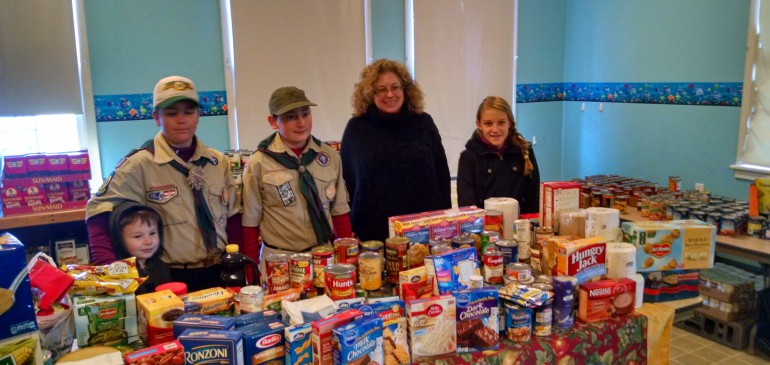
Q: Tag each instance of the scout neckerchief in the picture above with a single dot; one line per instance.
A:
(195, 179)
(306, 185)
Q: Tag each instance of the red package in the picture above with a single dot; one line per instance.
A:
(50, 282)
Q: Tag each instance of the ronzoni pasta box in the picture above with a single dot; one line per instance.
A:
(432, 327)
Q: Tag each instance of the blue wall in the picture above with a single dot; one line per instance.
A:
(133, 44)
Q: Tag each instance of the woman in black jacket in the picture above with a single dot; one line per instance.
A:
(498, 161)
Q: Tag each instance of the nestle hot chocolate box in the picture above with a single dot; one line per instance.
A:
(603, 299)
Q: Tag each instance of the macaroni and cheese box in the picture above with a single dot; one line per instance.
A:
(671, 245)
(212, 347)
(298, 344)
(359, 342)
(17, 312)
(202, 321)
(156, 313)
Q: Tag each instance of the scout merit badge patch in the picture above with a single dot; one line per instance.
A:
(286, 193)
(322, 159)
(162, 194)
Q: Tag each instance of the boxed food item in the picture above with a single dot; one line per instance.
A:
(438, 224)
(415, 227)
(477, 319)
(394, 328)
(603, 299)
(726, 285)
(57, 192)
(11, 196)
(671, 245)
(163, 354)
(414, 284)
(17, 311)
(663, 286)
(79, 190)
(202, 321)
(22, 349)
(33, 195)
(105, 320)
(359, 342)
(583, 258)
(156, 313)
(432, 327)
(212, 347)
(452, 270)
(249, 318)
(208, 301)
(322, 335)
(298, 344)
(557, 197)
(263, 343)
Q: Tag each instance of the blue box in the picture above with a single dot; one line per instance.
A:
(263, 342)
(298, 345)
(249, 318)
(212, 347)
(203, 322)
(477, 314)
(359, 342)
(20, 317)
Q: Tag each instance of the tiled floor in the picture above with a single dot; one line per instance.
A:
(690, 349)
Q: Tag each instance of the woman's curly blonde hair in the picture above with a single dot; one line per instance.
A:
(363, 94)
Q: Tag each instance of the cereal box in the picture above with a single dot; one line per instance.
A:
(477, 319)
(359, 342)
(212, 347)
(165, 353)
(557, 197)
(583, 258)
(156, 313)
(670, 245)
(208, 301)
(432, 327)
(298, 344)
(105, 320)
(452, 269)
(202, 321)
(322, 335)
(607, 298)
(263, 343)
(17, 312)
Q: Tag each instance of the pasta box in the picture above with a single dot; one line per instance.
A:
(17, 312)
(263, 342)
(359, 342)
(202, 321)
(212, 347)
(671, 245)
(249, 318)
(298, 344)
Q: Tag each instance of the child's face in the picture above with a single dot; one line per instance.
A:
(141, 239)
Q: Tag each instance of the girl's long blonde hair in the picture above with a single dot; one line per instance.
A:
(363, 94)
(514, 137)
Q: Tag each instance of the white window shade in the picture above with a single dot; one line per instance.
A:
(318, 46)
(754, 135)
(463, 52)
(38, 61)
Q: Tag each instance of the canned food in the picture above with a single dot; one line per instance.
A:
(728, 226)
(443, 247)
(620, 203)
(755, 225)
(766, 230)
(518, 322)
(596, 199)
(340, 280)
(674, 183)
(493, 266)
(476, 281)
(373, 246)
(714, 219)
(395, 257)
(346, 251)
(488, 238)
(493, 220)
(543, 319)
(545, 279)
(607, 199)
(697, 214)
(323, 256)
(251, 299)
(370, 270)
(301, 271)
(463, 241)
(277, 266)
(510, 250)
(521, 232)
(518, 272)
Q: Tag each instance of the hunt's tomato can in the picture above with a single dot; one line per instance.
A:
(340, 280)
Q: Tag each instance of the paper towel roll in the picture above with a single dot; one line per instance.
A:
(621, 260)
(573, 223)
(510, 209)
(603, 222)
(639, 279)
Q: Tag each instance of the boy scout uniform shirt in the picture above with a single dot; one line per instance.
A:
(273, 201)
(151, 180)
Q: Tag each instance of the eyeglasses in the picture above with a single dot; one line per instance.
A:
(382, 91)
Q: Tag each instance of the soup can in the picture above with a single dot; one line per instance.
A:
(440, 248)
(346, 251)
(519, 272)
(251, 299)
(277, 266)
(542, 322)
(521, 231)
(323, 256)
(518, 322)
(301, 271)
(373, 246)
(493, 266)
(510, 250)
(340, 280)
(395, 257)
(493, 220)
(755, 225)
(488, 238)
(463, 241)
(370, 270)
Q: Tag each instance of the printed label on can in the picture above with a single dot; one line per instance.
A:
(493, 267)
(395, 257)
(300, 269)
(340, 281)
(518, 323)
(323, 256)
(277, 275)
(543, 320)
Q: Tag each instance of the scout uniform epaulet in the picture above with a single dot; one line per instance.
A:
(149, 145)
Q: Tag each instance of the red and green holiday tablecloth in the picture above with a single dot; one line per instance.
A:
(621, 340)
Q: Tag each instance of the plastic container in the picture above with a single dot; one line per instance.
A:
(234, 266)
(176, 287)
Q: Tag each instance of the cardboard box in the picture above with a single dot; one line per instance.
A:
(17, 311)
(157, 355)
(28, 341)
(105, 320)
(156, 313)
(322, 335)
(600, 300)
(212, 347)
(670, 245)
(583, 258)
(557, 197)
(664, 286)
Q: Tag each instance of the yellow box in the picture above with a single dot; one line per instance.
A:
(156, 313)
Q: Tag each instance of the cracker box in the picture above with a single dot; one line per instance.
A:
(298, 344)
(105, 320)
(208, 301)
(322, 335)
(452, 270)
(17, 312)
(583, 258)
(477, 319)
(557, 197)
(156, 313)
(432, 327)
(165, 353)
(202, 321)
(212, 347)
(670, 245)
(600, 300)
(359, 342)
(263, 343)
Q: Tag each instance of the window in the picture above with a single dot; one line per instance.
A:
(753, 157)
(45, 133)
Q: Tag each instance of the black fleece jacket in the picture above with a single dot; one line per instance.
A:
(392, 165)
(483, 173)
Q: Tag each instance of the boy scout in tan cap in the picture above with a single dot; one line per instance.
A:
(293, 191)
(190, 184)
